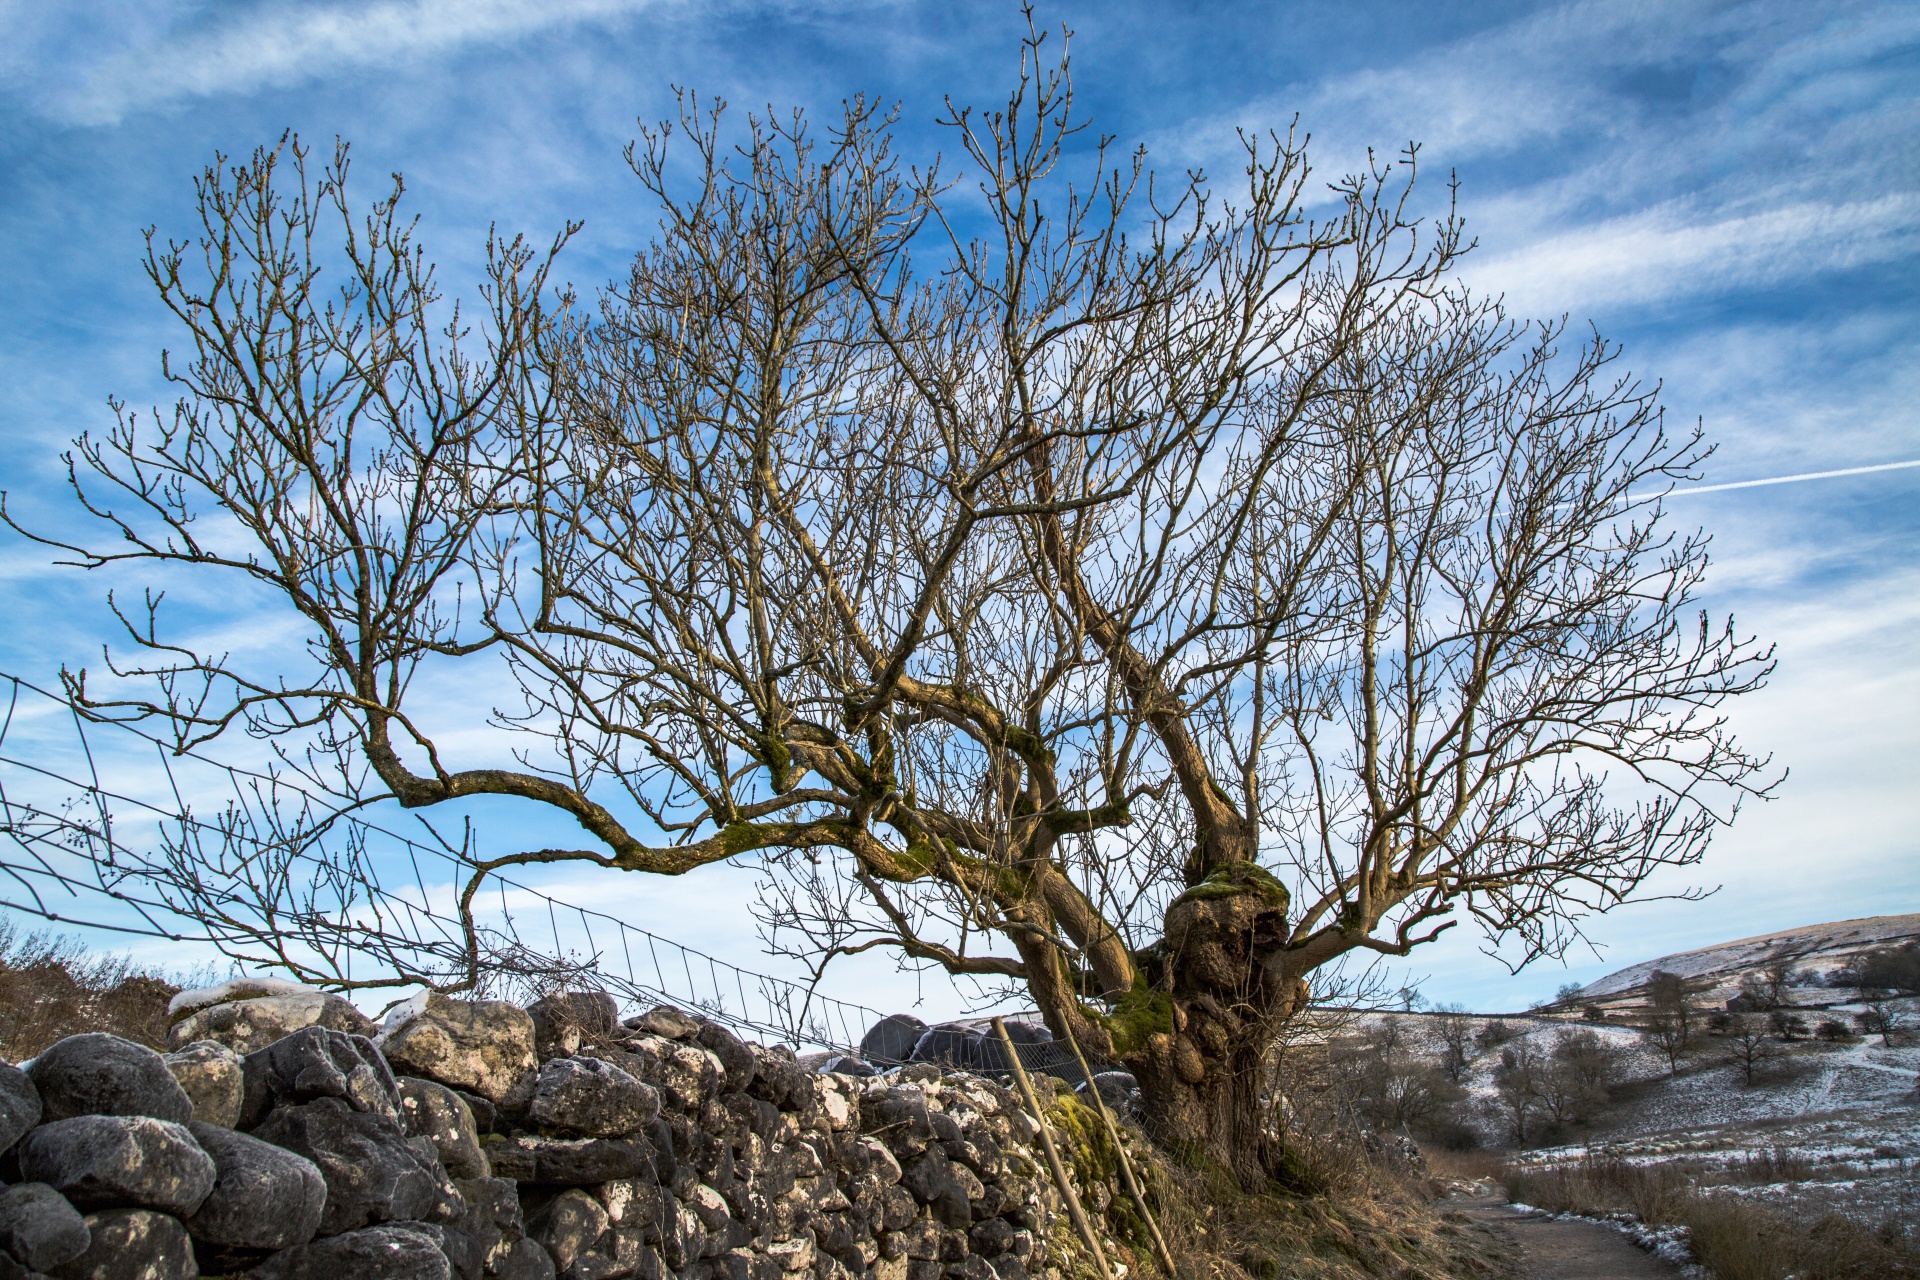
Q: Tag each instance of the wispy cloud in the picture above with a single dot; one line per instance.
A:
(1671, 251)
(277, 46)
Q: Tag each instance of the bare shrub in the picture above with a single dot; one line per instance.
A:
(51, 988)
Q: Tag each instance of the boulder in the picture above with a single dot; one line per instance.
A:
(211, 1076)
(492, 1220)
(570, 1225)
(436, 1113)
(116, 1162)
(375, 1253)
(373, 1173)
(249, 1014)
(565, 1020)
(132, 1244)
(665, 1021)
(103, 1075)
(263, 1197)
(564, 1162)
(591, 1098)
(466, 1255)
(737, 1063)
(889, 1042)
(39, 1227)
(314, 1063)
(523, 1260)
(483, 1046)
(19, 1105)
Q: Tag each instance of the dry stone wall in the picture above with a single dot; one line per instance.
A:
(285, 1137)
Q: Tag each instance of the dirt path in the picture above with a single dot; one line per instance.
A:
(1552, 1250)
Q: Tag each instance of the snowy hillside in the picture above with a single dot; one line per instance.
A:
(1819, 949)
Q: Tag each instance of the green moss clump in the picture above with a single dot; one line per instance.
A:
(1141, 1012)
(1237, 878)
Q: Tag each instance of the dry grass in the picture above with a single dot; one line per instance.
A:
(1386, 1230)
(1735, 1238)
(50, 988)
(1368, 1219)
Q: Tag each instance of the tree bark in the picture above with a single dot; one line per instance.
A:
(1203, 1075)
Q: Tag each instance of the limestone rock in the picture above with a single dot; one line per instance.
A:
(436, 1113)
(101, 1074)
(563, 1162)
(263, 1197)
(524, 1260)
(39, 1228)
(375, 1253)
(737, 1063)
(484, 1046)
(132, 1244)
(583, 1017)
(114, 1162)
(591, 1098)
(373, 1174)
(492, 1219)
(249, 1014)
(569, 1226)
(666, 1022)
(314, 1063)
(19, 1105)
(211, 1076)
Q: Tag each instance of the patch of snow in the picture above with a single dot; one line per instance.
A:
(236, 989)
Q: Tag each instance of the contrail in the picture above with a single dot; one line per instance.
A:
(1805, 475)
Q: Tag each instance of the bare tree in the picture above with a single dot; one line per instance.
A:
(1777, 977)
(1454, 1030)
(1668, 1032)
(1670, 1001)
(1520, 1083)
(1161, 599)
(1747, 1044)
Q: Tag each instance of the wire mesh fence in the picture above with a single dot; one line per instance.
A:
(105, 826)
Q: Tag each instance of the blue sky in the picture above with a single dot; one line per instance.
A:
(1732, 190)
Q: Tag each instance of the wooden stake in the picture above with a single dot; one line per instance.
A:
(1126, 1165)
(1074, 1210)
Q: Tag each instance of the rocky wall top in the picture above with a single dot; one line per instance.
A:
(287, 1136)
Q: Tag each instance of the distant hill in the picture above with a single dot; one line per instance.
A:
(1816, 951)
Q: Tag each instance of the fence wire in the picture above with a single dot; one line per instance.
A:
(98, 828)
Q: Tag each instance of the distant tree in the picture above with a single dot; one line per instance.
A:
(1881, 1019)
(1833, 1030)
(1521, 1084)
(1594, 1013)
(1409, 999)
(1671, 996)
(1454, 1030)
(1776, 976)
(1568, 993)
(1581, 1069)
(1747, 1044)
(1668, 1032)
(1494, 1031)
(1390, 1087)
(1891, 969)
(1787, 1024)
